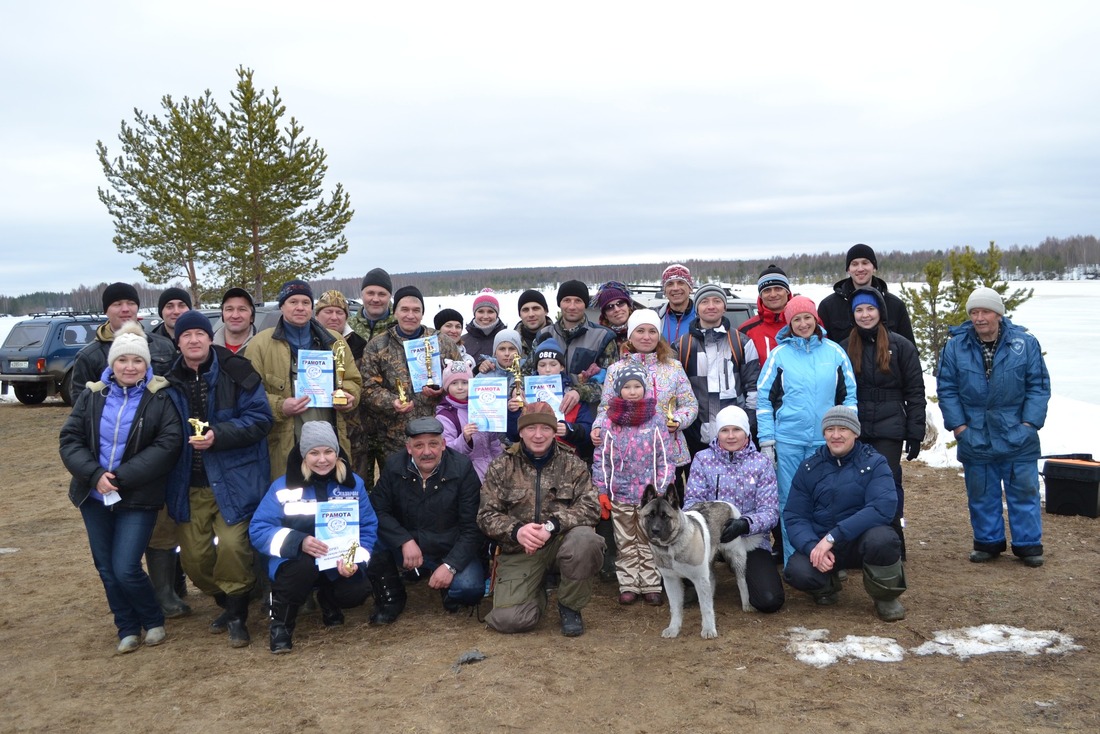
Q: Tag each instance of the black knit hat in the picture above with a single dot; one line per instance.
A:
(378, 277)
(858, 251)
(296, 287)
(172, 294)
(573, 288)
(193, 320)
(445, 315)
(408, 290)
(532, 296)
(773, 275)
(119, 292)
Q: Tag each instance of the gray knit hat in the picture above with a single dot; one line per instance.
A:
(709, 289)
(317, 433)
(985, 298)
(508, 335)
(838, 415)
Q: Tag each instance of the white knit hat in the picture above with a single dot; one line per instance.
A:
(129, 339)
(732, 416)
(985, 298)
(642, 316)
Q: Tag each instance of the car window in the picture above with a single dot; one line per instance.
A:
(26, 335)
(77, 335)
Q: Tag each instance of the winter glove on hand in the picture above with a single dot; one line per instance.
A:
(605, 507)
(768, 449)
(912, 450)
(734, 528)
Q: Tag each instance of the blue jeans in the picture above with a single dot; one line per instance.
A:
(118, 539)
(468, 585)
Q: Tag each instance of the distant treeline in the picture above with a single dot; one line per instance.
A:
(1051, 259)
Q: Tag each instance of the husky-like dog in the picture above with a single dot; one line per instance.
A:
(684, 547)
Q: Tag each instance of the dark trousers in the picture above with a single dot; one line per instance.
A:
(879, 546)
(295, 578)
(762, 577)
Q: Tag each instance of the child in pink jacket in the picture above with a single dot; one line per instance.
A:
(459, 433)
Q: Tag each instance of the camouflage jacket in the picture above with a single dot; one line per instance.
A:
(382, 365)
(368, 329)
(515, 492)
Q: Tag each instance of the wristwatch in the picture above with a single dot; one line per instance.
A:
(829, 537)
(452, 569)
(548, 526)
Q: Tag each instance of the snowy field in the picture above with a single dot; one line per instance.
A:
(1058, 316)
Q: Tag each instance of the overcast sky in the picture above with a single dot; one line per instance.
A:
(476, 134)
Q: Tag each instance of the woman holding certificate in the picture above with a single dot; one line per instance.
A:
(120, 442)
(317, 526)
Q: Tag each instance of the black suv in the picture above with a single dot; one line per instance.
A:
(37, 357)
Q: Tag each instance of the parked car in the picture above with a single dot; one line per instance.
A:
(37, 357)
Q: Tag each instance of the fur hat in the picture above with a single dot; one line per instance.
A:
(631, 371)
(445, 315)
(531, 296)
(129, 339)
(838, 415)
(404, 292)
(455, 369)
(507, 335)
(573, 288)
(377, 277)
(486, 298)
(332, 299)
(549, 349)
(295, 287)
(677, 272)
(800, 304)
(860, 251)
(119, 292)
(193, 320)
(642, 316)
(610, 292)
(537, 412)
(172, 294)
(773, 275)
(985, 298)
(732, 415)
(317, 433)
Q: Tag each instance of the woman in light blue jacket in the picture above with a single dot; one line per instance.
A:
(804, 376)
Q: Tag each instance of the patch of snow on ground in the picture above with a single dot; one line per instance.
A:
(812, 647)
(991, 638)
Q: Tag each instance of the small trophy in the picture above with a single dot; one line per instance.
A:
(349, 556)
(339, 395)
(517, 375)
(402, 396)
(199, 426)
(429, 375)
(670, 414)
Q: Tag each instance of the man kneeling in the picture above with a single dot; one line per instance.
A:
(838, 516)
(538, 502)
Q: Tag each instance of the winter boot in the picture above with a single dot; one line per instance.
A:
(236, 606)
(389, 598)
(885, 584)
(283, 618)
(829, 595)
(162, 572)
(331, 614)
(571, 623)
(220, 623)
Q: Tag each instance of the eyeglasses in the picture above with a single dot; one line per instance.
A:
(616, 304)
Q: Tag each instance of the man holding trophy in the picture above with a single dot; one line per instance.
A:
(300, 362)
(402, 370)
(222, 473)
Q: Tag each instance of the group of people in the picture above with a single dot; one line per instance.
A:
(800, 416)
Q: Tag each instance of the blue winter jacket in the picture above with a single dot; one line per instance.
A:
(994, 410)
(845, 496)
(237, 465)
(801, 380)
(288, 514)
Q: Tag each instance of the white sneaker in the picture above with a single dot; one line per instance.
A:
(155, 636)
(129, 643)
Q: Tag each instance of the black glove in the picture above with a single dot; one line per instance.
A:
(734, 528)
(912, 450)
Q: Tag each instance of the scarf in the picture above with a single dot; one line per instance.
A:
(631, 412)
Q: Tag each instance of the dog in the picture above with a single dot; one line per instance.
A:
(684, 546)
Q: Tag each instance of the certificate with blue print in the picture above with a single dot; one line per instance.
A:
(337, 526)
(315, 370)
(487, 404)
(422, 357)
(545, 388)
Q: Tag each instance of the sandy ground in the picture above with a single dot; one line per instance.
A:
(60, 673)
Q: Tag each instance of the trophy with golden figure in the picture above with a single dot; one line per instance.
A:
(429, 372)
(670, 414)
(349, 556)
(340, 396)
(200, 428)
(402, 396)
(517, 375)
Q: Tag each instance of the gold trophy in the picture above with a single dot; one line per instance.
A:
(339, 395)
(402, 396)
(199, 426)
(429, 376)
(670, 414)
(349, 556)
(517, 375)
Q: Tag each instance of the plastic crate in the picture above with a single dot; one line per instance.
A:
(1073, 485)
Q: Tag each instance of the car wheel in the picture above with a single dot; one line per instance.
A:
(32, 394)
(66, 390)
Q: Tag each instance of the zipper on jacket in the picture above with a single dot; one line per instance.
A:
(118, 422)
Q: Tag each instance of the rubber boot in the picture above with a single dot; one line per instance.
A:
(885, 584)
(236, 605)
(162, 572)
(220, 623)
(283, 618)
(331, 614)
(181, 578)
(389, 598)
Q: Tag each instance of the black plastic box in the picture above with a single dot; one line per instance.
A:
(1073, 485)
